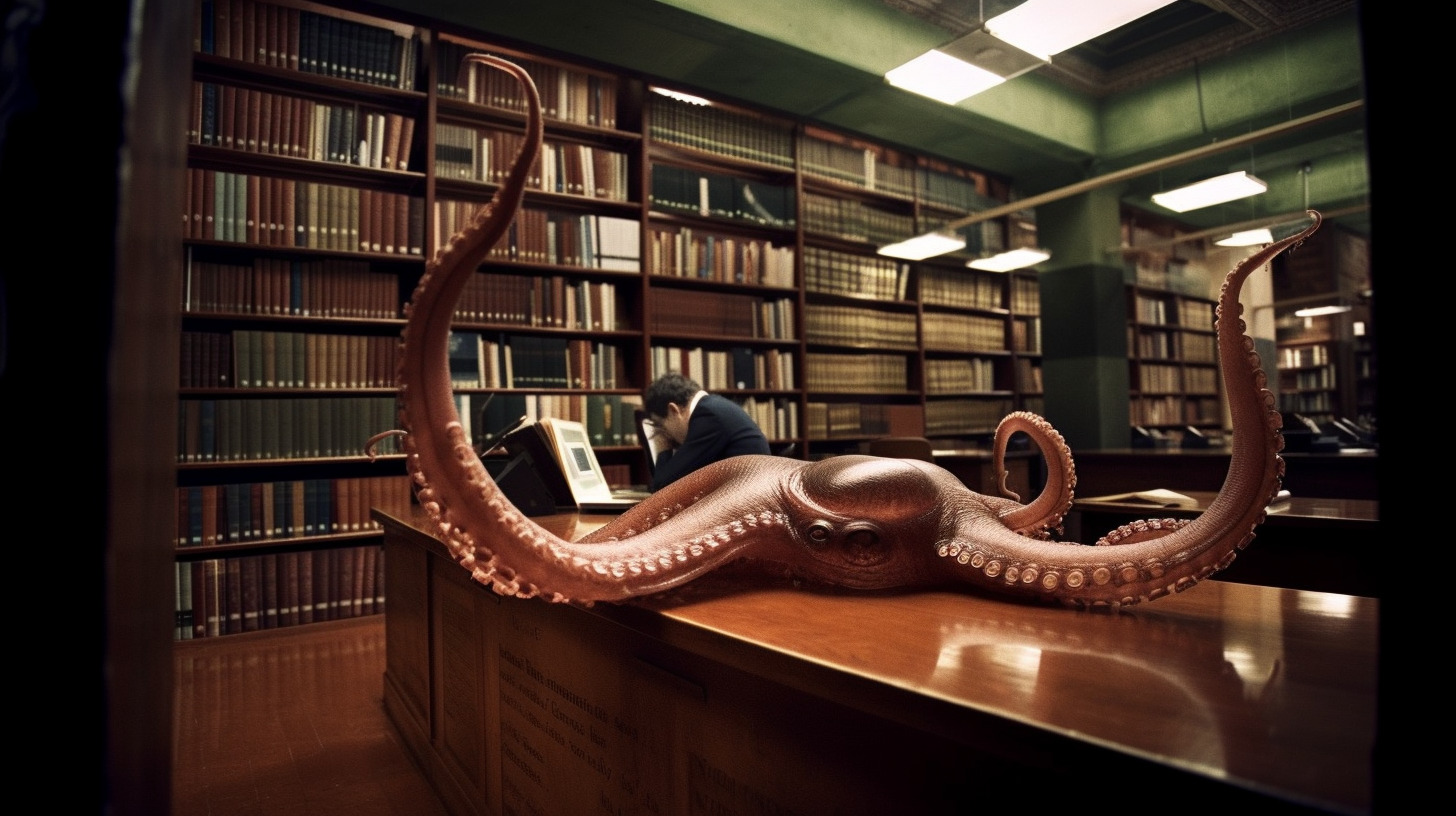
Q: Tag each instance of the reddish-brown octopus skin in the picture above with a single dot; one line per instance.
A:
(851, 521)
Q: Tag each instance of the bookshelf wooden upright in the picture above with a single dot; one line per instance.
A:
(658, 233)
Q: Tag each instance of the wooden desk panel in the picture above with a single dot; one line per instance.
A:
(1306, 543)
(1102, 472)
(737, 694)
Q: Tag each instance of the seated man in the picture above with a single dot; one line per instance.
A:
(688, 428)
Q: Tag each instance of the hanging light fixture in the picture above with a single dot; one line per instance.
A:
(1250, 237)
(924, 246)
(1206, 193)
(1010, 259)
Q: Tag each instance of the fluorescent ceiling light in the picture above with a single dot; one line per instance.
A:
(1206, 193)
(1009, 260)
(924, 246)
(1252, 237)
(682, 97)
(1008, 45)
(942, 77)
(1318, 311)
(1047, 27)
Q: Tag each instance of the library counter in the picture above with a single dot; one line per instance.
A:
(1351, 474)
(1304, 542)
(745, 694)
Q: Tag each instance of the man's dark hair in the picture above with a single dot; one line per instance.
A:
(670, 387)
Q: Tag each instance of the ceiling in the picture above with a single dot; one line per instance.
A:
(1167, 85)
(1171, 39)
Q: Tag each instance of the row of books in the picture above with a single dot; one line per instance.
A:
(1025, 294)
(1311, 402)
(1164, 344)
(480, 360)
(949, 377)
(720, 131)
(256, 121)
(953, 188)
(737, 368)
(546, 236)
(609, 418)
(830, 271)
(680, 190)
(837, 420)
(285, 212)
(849, 220)
(860, 326)
(690, 253)
(540, 300)
(962, 288)
(1310, 379)
(856, 373)
(1176, 410)
(226, 596)
(720, 314)
(256, 358)
(486, 155)
(1156, 310)
(567, 94)
(1158, 378)
(964, 416)
(241, 513)
(265, 428)
(290, 38)
(829, 156)
(778, 418)
(966, 333)
(329, 287)
(1303, 356)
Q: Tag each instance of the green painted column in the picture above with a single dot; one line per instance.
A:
(1084, 321)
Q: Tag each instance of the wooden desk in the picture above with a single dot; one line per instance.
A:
(1334, 475)
(976, 468)
(749, 696)
(1308, 543)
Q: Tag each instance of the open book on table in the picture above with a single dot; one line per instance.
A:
(1162, 497)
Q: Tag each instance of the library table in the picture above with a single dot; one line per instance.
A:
(1305, 542)
(741, 694)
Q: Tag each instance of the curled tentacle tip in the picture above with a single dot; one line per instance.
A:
(374, 440)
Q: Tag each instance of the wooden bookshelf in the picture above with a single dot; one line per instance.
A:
(1173, 362)
(332, 153)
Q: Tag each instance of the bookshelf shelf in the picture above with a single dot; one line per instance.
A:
(732, 244)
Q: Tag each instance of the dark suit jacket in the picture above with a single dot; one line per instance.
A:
(717, 430)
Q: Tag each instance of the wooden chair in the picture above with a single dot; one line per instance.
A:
(902, 447)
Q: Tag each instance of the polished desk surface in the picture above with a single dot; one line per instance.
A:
(1267, 689)
(1295, 511)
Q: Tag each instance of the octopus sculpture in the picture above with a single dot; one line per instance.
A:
(850, 521)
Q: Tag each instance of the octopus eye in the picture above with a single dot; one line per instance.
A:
(820, 531)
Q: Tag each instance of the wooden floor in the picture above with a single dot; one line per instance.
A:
(291, 721)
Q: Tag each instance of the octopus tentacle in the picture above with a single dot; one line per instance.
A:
(854, 521)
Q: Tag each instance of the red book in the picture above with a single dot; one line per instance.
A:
(254, 115)
(401, 224)
(406, 141)
(305, 587)
(233, 589)
(227, 116)
(269, 617)
(288, 589)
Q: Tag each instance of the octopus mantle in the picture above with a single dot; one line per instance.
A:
(852, 521)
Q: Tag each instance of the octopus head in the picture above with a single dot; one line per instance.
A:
(854, 515)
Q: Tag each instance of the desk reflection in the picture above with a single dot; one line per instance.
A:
(1265, 688)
